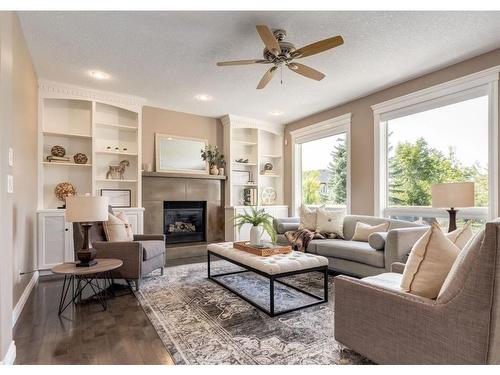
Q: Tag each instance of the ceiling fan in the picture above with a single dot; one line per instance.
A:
(281, 53)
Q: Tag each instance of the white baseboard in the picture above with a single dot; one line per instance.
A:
(24, 297)
(10, 357)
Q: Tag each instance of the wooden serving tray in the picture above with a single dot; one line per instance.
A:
(263, 252)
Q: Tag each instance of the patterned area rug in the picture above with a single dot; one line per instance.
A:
(201, 322)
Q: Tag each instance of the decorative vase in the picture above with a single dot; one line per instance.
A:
(221, 171)
(80, 158)
(214, 170)
(255, 235)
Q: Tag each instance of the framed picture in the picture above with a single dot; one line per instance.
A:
(118, 198)
(179, 154)
(241, 177)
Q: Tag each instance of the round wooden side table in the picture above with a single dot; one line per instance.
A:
(83, 277)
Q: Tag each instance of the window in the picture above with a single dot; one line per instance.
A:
(324, 171)
(321, 164)
(423, 140)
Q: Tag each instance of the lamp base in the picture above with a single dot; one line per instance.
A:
(453, 219)
(87, 264)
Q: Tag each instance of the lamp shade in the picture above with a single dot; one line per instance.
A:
(86, 209)
(454, 194)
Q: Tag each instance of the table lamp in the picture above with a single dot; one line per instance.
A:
(452, 195)
(86, 210)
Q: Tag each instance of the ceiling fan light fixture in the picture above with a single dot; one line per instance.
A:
(276, 113)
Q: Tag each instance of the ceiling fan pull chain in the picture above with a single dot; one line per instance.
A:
(281, 78)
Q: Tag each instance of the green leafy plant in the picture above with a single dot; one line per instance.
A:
(213, 156)
(256, 217)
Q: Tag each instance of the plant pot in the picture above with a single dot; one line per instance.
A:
(255, 235)
(214, 170)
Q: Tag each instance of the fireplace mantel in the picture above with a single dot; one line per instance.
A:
(184, 175)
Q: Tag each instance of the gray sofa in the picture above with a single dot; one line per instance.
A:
(359, 258)
(375, 318)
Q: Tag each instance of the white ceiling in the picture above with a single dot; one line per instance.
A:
(169, 57)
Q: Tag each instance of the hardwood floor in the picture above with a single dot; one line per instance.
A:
(86, 334)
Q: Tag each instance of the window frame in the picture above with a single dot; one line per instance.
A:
(455, 91)
(335, 126)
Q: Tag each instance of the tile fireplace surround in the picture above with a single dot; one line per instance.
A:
(157, 189)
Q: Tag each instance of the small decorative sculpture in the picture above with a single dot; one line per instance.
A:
(64, 190)
(80, 158)
(58, 151)
(268, 167)
(116, 172)
(269, 196)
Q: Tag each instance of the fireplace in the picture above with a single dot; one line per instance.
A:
(184, 221)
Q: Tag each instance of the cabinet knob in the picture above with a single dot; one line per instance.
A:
(66, 229)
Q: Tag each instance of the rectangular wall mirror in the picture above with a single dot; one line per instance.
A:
(179, 154)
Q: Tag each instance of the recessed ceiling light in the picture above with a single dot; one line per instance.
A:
(276, 113)
(100, 75)
(203, 97)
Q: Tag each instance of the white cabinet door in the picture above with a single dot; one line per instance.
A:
(55, 240)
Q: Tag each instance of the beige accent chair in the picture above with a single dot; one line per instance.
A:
(375, 318)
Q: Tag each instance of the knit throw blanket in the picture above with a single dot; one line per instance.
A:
(299, 239)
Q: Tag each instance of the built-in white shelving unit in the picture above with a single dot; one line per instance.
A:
(260, 143)
(106, 127)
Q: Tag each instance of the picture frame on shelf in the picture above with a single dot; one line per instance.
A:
(241, 177)
(118, 198)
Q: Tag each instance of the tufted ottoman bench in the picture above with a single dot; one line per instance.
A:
(273, 267)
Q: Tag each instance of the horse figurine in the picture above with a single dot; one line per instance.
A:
(116, 172)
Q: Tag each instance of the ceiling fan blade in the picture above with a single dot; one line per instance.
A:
(268, 38)
(306, 71)
(266, 78)
(241, 62)
(318, 47)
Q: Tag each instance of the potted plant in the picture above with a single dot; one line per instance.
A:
(213, 157)
(261, 222)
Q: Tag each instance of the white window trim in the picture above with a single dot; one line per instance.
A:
(453, 91)
(328, 128)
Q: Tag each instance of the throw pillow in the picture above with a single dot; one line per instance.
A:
(331, 222)
(429, 263)
(461, 236)
(377, 240)
(307, 218)
(130, 233)
(116, 229)
(362, 230)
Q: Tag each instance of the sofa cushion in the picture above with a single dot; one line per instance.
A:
(355, 251)
(461, 236)
(350, 222)
(117, 230)
(388, 280)
(308, 218)
(377, 240)
(152, 249)
(283, 227)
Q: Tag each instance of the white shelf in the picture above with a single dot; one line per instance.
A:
(271, 156)
(246, 143)
(60, 134)
(253, 185)
(117, 126)
(119, 181)
(244, 164)
(271, 175)
(66, 164)
(116, 153)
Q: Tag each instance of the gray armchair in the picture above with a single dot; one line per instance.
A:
(375, 318)
(140, 257)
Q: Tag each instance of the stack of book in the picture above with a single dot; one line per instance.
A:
(250, 196)
(58, 159)
(268, 173)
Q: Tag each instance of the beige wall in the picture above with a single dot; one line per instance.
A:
(362, 129)
(18, 108)
(157, 120)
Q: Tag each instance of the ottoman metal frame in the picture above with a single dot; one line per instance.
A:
(272, 279)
